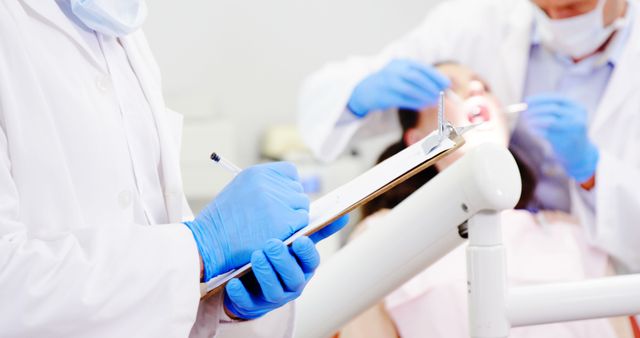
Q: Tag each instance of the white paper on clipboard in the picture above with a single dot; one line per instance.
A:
(336, 202)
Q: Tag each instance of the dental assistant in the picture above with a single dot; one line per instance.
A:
(96, 237)
(575, 62)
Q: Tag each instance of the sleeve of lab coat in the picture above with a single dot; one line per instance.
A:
(275, 324)
(327, 127)
(121, 280)
(211, 319)
(613, 223)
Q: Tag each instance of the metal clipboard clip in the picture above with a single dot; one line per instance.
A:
(445, 129)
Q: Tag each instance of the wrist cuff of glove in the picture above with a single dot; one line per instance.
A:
(235, 313)
(206, 249)
(587, 168)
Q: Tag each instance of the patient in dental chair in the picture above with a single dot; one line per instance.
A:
(542, 247)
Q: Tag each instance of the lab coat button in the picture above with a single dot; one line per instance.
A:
(103, 83)
(124, 198)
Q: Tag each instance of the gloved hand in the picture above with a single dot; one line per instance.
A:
(330, 229)
(263, 202)
(563, 123)
(279, 276)
(400, 84)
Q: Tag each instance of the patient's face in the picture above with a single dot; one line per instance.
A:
(472, 103)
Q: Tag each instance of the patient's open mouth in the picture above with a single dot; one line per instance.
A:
(478, 113)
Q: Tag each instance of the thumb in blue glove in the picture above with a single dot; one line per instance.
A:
(400, 84)
(330, 229)
(563, 123)
(263, 202)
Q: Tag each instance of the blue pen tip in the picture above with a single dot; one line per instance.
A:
(215, 157)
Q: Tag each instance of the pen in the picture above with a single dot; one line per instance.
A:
(230, 167)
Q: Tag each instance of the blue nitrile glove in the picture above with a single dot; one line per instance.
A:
(263, 202)
(279, 276)
(330, 229)
(563, 123)
(400, 84)
(262, 291)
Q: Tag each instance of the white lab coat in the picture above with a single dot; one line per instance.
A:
(72, 261)
(493, 38)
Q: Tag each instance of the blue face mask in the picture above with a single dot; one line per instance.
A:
(111, 17)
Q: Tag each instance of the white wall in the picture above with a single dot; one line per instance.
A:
(243, 60)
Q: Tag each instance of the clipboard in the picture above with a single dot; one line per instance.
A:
(362, 189)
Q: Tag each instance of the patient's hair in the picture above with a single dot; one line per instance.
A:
(388, 200)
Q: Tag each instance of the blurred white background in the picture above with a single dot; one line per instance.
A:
(233, 68)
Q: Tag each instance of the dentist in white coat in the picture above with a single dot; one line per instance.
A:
(96, 238)
(574, 61)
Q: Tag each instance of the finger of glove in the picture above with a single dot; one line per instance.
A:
(405, 102)
(267, 278)
(573, 114)
(287, 185)
(285, 265)
(330, 229)
(291, 193)
(239, 300)
(400, 66)
(294, 200)
(307, 254)
(412, 97)
(423, 83)
(541, 124)
(395, 92)
(393, 98)
(555, 118)
(436, 78)
(548, 110)
(547, 98)
(294, 220)
(546, 105)
(562, 106)
(284, 169)
(568, 125)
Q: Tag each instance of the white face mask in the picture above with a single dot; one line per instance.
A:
(577, 36)
(111, 17)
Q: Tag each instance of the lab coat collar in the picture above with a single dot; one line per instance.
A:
(50, 11)
(624, 80)
(139, 56)
(620, 40)
(515, 51)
